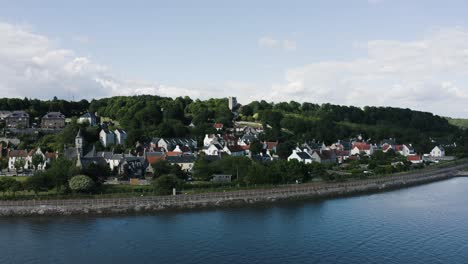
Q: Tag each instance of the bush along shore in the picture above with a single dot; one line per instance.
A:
(223, 199)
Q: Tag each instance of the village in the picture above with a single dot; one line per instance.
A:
(241, 139)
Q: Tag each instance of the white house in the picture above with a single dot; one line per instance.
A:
(438, 152)
(120, 136)
(16, 155)
(301, 156)
(107, 137)
(210, 139)
(213, 150)
(90, 118)
(362, 148)
(234, 150)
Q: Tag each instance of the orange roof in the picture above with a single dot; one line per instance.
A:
(173, 153)
(218, 125)
(154, 159)
(361, 145)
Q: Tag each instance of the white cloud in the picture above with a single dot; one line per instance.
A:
(272, 43)
(429, 74)
(289, 44)
(82, 39)
(268, 42)
(31, 65)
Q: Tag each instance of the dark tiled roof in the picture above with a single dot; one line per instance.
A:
(54, 115)
(181, 159)
(19, 114)
(303, 155)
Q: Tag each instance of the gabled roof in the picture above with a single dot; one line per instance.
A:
(361, 145)
(18, 114)
(18, 153)
(325, 154)
(304, 155)
(235, 148)
(181, 159)
(121, 131)
(107, 131)
(54, 115)
(153, 157)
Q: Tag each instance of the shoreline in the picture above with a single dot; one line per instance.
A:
(140, 205)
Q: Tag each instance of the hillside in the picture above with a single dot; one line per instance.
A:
(459, 122)
(148, 116)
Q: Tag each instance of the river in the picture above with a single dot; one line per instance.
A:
(424, 224)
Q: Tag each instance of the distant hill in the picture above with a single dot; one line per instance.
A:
(459, 122)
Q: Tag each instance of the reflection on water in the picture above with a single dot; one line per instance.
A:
(425, 224)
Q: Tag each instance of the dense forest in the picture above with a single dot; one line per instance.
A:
(149, 116)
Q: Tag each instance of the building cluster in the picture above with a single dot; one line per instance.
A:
(354, 149)
(24, 159)
(21, 120)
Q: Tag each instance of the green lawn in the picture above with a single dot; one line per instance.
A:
(20, 178)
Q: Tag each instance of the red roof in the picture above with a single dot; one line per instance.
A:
(361, 145)
(173, 153)
(218, 125)
(18, 153)
(386, 146)
(398, 147)
(236, 148)
(271, 145)
(154, 159)
(50, 155)
(414, 158)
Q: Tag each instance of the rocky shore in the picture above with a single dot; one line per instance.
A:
(221, 199)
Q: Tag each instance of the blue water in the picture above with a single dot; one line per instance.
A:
(425, 224)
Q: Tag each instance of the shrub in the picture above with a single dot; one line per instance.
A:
(81, 183)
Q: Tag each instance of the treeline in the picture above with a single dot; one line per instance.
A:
(148, 116)
(329, 123)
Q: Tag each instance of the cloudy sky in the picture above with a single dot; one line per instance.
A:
(403, 53)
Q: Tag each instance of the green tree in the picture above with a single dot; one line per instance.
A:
(19, 164)
(256, 147)
(37, 159)
(81, 183)
(164, 184)
(40, 181)
(61, 170)
(162, 167)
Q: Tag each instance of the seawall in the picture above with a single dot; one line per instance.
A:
(221, 199)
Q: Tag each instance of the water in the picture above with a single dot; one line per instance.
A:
(425, 224)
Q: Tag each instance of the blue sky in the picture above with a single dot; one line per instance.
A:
(352, 52)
